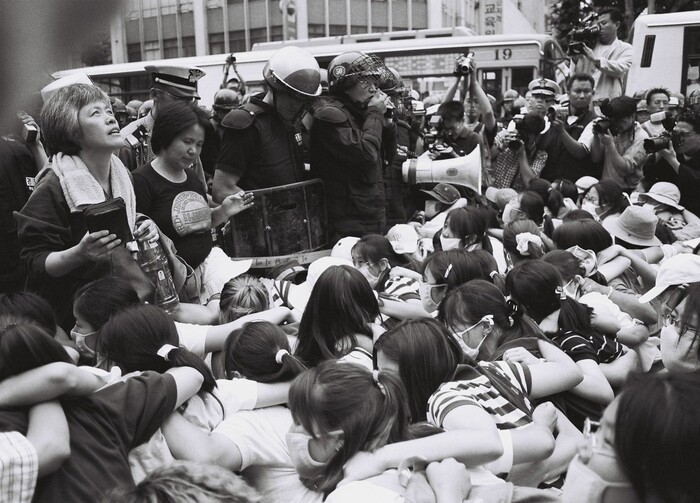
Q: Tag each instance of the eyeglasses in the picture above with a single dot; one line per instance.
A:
(590, 435)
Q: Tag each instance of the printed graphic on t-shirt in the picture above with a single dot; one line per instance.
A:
(190, 213)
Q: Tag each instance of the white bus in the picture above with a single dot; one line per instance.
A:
(425, 58)
(666, 53)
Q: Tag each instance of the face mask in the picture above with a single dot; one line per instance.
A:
(572, 289)
(587, 259)
(591, 208)
(369, 275)
(81, 344)
(650, 207)
(583, 485)
(511, 213)
(459, 337)
(426, 296)
(307, 467)
(679, 352)
(449, 243)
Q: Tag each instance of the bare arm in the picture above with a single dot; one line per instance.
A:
(594, 387)
(48, 433)
(224, 185)
(46, 383)
(188, 442)
(188, 381)
(217, 334)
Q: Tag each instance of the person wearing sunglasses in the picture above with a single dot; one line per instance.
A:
(678, 290)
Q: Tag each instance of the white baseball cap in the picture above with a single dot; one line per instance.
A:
(679, 270)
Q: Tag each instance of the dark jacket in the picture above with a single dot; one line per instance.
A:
(560, 163)
(687, 179)
(346, 153)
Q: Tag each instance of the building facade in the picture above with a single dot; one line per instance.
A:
(158, 29)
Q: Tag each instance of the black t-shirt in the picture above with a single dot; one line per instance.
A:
(103, 428)
(180, 210)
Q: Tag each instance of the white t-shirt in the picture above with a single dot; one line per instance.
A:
(193, 337)
(364, 491)
(260, 436)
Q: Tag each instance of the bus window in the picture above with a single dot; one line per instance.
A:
(491, 81)
(520, 78)
(690, 81)
(648, 50)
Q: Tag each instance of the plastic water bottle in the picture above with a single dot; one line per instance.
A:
(154, 264)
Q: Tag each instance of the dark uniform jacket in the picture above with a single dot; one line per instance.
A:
(260, 148)
(346, 152)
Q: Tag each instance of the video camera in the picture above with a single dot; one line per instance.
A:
(585, 34)
(464, 64)
(603, 126)
(560, 112)
(661, 142)
(518, 124)
(434, 134)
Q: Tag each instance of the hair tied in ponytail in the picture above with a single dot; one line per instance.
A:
(524, 239)
(375, 376)
(560, 292)
(280, 354)
(165, 350)
(514, 310)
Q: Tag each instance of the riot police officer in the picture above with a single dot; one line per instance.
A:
(347, 139)
(261, 144)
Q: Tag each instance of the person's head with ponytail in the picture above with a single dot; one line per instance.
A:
(522, 240)
(240, 296)
(553, 199)
(424, 355)
(344, 408)
(260, 351)
(468, 224)
(538, 287)
(144, 337)
(478, 313)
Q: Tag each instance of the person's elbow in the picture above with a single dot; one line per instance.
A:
(494, 446)
(63, 377)
(53, 451)
(647, 314)
(573, 376)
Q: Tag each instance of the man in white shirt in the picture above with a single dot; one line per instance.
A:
(610, 60)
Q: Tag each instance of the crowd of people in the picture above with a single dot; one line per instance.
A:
(532, 338)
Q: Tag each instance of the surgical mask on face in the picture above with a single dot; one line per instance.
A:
(81, 344)
(369, 275)
(583, 485)
(511, 213)
(306, 466)
(449, 243)
(425, 291)
(466, 349)
(591, 208)
(587, 259)
(679, 352)
(650, 207)
(571, 289)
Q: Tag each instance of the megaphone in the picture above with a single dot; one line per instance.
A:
(465, 171)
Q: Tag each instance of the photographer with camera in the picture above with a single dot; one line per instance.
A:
(679, 161)
(449, 136)
(609, 60)
(521, 160)
(566, 157)
(657, 100)
(617, 141)
(479, 112)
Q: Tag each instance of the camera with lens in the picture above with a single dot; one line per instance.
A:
(464, 64)
(518, 124)
(602, 126)
(661, 142)
(585, 34)
(560, 112)
(434, 132)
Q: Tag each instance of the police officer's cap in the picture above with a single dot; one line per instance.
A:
(544, 87)
(179, 81)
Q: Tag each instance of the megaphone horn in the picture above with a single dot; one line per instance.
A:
(465, 171)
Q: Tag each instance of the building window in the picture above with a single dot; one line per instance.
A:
(188, 47)
(151, 50)
(216, 43)
(133, 52)
(170, 48)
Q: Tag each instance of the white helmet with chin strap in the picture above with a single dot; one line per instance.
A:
(294, 71)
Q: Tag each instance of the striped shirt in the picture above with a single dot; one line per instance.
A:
(19, 468)
(597, 347)
(403, 288)
(499, 388)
